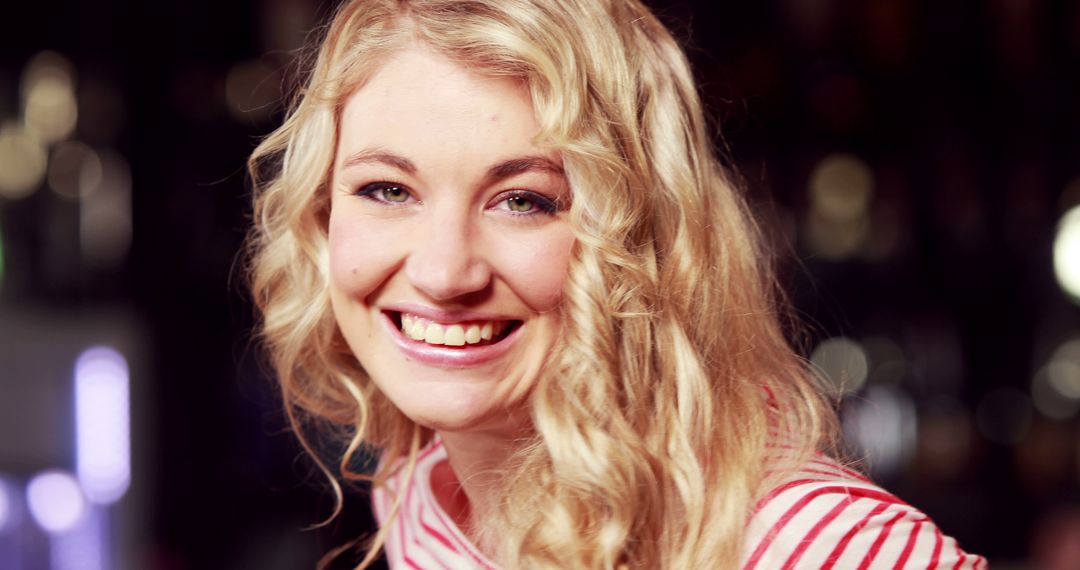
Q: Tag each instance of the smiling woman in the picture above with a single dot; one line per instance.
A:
(492, 240)
(468, 248)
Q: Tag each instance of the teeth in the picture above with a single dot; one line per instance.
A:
(434, 334)
(423, 330)
(455, 336)
(416, 332)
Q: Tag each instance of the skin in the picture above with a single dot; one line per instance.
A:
(442, 233)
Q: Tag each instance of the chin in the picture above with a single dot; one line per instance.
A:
(447, 408)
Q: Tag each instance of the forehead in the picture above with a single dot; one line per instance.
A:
(421, 100)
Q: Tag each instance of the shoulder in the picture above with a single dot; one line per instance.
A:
(827, 516)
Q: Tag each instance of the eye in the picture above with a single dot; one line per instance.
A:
(386, 192)
(525, 203)
(520, 204)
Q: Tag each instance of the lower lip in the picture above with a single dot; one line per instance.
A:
(436, 355)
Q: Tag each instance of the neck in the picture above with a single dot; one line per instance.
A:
(467, 487)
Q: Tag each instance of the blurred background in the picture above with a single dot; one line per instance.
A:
(916, 163)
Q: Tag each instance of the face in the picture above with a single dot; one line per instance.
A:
(449, 243)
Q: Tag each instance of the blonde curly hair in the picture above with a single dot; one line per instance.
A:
(674, 399)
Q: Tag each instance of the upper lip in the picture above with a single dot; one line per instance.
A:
(446, 316)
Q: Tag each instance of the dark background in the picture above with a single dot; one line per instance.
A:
(964, 113)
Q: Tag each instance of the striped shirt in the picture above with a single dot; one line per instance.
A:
(826, 517)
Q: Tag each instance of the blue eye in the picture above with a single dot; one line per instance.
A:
(387, 192)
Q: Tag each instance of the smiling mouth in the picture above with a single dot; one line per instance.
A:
(455, 335)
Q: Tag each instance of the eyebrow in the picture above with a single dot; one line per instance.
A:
(379, 156)
(519, 165)
(500, 171)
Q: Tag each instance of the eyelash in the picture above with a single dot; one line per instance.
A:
(370, 191)
(543, 205)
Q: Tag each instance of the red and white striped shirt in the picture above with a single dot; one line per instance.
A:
(826, 517)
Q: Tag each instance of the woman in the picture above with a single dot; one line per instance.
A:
(493, 244)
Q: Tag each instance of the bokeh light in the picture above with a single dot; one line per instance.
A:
(84, 547)
(105, 213)
(1069, 351)
(888, 365)
(8, 505)
(1067, 253)
(841, 187)
(1003, 415)
(22, 163)
(55, 501)
(1055, 389)
(883, 426)
(1064, 376)
(48, 88)
(844, 363)
(103, 441)
(74, 169)
(1049, 400)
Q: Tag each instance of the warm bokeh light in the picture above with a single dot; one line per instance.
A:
(835, 240)
(55, 501)
(1069, 351)
(1064, 376)
(841, 187)
(1048, 399)
(74, 170)
(1067, 253)
(22, 163)
(844, 363)
(105, 214)
(102, 422)
(48, 88)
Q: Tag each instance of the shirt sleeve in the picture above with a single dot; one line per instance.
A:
(842, 520)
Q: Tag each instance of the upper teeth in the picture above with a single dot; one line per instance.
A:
(418, 328)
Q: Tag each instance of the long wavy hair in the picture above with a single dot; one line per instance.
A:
(674, 399)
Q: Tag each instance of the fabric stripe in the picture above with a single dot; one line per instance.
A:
(816, 530)
(912, 538)
(850, 491)
(838, 550)
(961, 558)
(882, 535)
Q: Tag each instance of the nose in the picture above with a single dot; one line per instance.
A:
(447, 261)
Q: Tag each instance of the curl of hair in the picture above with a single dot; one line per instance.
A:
(675, 400)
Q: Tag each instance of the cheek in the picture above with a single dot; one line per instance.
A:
(537, 267)
(357, 267)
